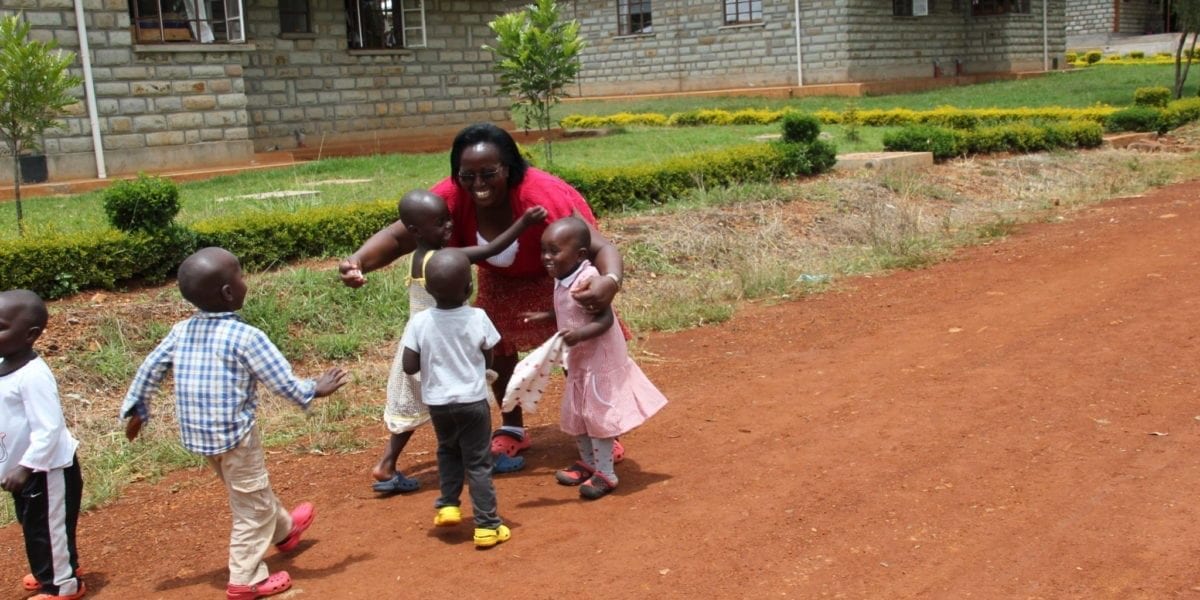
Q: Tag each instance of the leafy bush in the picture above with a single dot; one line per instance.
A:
(1180, 112)
(1093, 56)
(1137, 55)
(144, 204)
(800, 128)
(1157, 96)
(1135, 118)
(1071, 57)
(943, 143)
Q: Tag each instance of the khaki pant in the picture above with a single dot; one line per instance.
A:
(259, 519)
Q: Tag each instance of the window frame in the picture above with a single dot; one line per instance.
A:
(408, 20)
(991, 8)
(738, 5)
(288, 8)
(634, 23)
(200, 22)
(912, 8)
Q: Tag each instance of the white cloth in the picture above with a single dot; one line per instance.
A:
(404, 410)
(451, 344)
(532, 374)
(33, 432)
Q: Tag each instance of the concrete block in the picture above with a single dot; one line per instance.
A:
(885, 161)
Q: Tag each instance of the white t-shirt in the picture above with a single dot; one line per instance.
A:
(33, 432)
(451, 344)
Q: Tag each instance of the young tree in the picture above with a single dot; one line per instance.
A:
(35, 87)
(1187, 16)
(537, 57)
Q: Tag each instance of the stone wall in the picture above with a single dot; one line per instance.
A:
(316, 85)
(840, 42)
(1087, 17)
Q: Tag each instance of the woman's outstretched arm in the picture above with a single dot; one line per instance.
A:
(378, 251)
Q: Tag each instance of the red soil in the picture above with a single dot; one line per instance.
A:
(1019, 422)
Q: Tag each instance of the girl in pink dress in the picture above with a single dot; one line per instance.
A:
(606, 395)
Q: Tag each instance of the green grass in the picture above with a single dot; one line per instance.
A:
(1107, 85)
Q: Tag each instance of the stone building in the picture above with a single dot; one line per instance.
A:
(1120, 17)
(187, 83)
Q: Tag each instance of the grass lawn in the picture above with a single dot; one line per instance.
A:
(349, 180)
(1104, 84)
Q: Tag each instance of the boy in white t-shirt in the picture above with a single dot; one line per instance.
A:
(37, 453)
(451, 346)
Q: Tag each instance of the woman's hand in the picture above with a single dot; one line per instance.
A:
(351, 273)
(596, 293)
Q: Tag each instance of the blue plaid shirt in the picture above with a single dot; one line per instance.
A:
(218, 360)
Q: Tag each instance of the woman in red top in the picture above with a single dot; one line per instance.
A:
(490, 186)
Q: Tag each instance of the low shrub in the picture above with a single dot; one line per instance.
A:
(1135, 118)
(1071, 57)
(1093, 56)
(1157, 96)
(1180, 112)
(942, 142)
(1137, 55)
(800, 128)
(146, 203)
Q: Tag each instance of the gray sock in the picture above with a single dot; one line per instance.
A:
(585, 450)
(602, 449)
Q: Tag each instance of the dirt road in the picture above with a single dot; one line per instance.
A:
(1020, 422)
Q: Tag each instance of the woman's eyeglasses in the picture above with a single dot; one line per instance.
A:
(467, 178)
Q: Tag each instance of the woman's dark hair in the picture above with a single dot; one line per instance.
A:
(510, 155)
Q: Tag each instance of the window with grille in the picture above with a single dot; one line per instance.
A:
(1000, 7)
(738, 12)
(633, 16)
(187, 21)
(910, 8)
(385, 24)
(294, 17)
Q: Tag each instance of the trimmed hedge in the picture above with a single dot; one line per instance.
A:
(58, 266)
(947, 143)
(946, 116)
(616, 189)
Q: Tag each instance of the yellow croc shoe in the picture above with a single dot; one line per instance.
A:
(486, 538)
(447, 516)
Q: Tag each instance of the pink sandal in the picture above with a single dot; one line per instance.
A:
(276, 583)
(509, 443)
(574, 474)
(302, 516)
(30, 583)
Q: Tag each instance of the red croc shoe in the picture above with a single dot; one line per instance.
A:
(30, 583)
(509, 442)
(276, 583)
(618, 451)
(302, 516)
(76, 596)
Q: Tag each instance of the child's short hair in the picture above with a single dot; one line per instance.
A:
(30, 305)
(447, 272)
(576, 228)
(202, 274)
(415, 202)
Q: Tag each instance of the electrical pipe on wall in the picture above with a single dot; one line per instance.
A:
(1045, 35)
(89, 89)
(799, 55)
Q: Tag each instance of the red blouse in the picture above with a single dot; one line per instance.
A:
(539, 188)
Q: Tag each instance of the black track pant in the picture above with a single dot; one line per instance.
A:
(48, 510)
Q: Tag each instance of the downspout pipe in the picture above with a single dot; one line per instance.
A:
(799, 53)
(1045, 35)
(89, 89)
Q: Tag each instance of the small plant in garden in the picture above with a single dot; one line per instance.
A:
(851, 125)
(1135, 118)
(143, 204)
(537, 56)
(800, 128)
(1157, 96)
(35, 87)
(1093, 56)
(1137, 55)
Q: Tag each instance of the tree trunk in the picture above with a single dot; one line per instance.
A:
(17, 191)
(1179, 66)
(1187, 66)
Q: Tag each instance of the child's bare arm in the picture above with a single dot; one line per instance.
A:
(487, 357)
(538, 317)
(411, 361)
(532, 216)
(133, 427)
(598, 325)
(330, 381)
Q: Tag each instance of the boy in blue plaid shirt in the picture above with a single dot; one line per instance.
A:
(218, 361)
